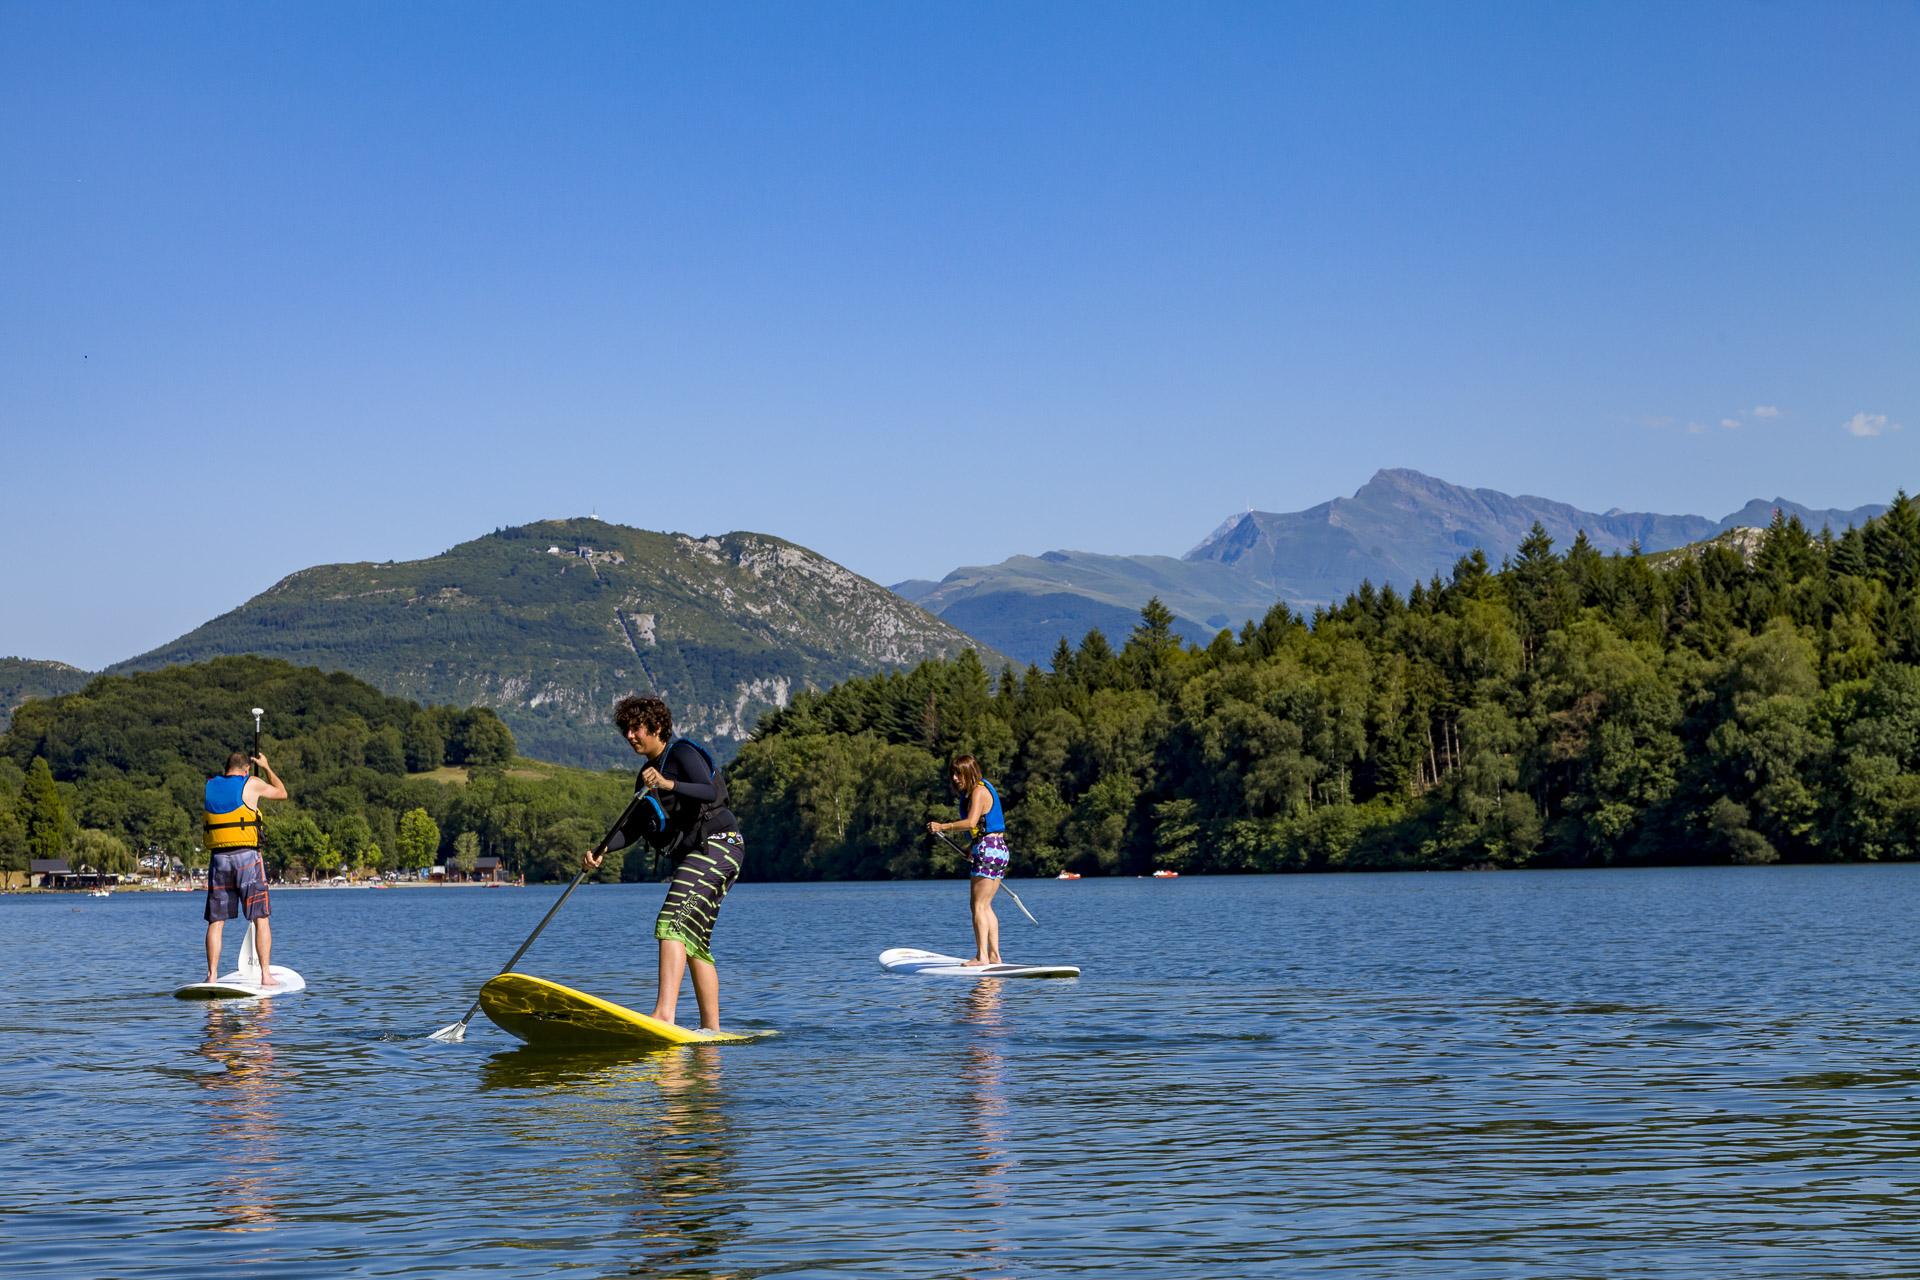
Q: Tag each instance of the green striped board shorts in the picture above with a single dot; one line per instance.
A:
(700, 881)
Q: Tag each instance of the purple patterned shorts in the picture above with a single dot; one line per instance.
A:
(990, 856)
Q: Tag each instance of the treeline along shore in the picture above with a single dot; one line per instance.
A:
(111, 777)
(1749, 700)
(1754, 699)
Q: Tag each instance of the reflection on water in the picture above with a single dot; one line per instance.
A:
(984, 1097)
(241, 1121)
(662, 1135)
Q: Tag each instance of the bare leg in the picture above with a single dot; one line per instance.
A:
(673, 966)
(986, 925)
(263, 947)
(214, 929)
(706, 991)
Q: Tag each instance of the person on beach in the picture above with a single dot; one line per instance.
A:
(703, 840)
(236, 873)
(986, 822)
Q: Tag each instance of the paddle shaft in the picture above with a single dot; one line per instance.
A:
(256, 744)
(605, 840)
(1003, 884)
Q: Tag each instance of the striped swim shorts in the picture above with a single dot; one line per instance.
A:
(990, 856)
(236, 885)
(700, 881)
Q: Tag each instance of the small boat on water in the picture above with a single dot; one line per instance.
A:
(101, 893)
(1068, 875)
(1166, 875)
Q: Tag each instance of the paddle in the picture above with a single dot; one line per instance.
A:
(257, 713)
(1003, 884)
(458, 1030)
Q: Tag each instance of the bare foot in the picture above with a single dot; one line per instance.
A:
(267, 982)
(975, 962)
(212, 977)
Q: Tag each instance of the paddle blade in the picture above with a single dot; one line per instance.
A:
(450, 1035)
(1016, 902)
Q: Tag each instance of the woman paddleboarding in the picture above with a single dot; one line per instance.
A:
(986, 821)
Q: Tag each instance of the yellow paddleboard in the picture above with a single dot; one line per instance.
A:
(548, 1014)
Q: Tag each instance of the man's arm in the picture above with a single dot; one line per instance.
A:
(269, 788)
(696, 780)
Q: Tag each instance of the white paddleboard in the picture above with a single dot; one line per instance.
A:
(932, 964)
(244, 983)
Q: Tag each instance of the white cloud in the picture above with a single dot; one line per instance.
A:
(1866, 425)
(1696, 428)
(1731, 424)
(1766, 411)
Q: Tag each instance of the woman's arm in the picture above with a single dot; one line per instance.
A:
(980, 802)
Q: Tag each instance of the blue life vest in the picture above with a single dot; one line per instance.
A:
(994, 820)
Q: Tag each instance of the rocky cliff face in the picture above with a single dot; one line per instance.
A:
(550, 623)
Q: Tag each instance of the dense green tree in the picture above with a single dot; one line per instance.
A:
(419, 840)
(95, 850)
(466, 853)
(43, 812)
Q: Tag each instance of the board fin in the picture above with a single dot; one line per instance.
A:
(249, 958)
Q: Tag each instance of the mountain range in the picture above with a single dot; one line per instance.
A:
(550, 623)
(1399, 527)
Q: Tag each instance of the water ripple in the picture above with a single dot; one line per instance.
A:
(1607, 1074)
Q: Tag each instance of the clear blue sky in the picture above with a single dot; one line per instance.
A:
(919, 285)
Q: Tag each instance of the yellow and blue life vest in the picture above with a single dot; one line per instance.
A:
(231, 822)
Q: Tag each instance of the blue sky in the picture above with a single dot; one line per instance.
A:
(919, 285)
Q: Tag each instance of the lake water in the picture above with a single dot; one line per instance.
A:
(1694, 1073)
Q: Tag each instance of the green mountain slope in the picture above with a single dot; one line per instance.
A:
(550, 623)
(23, 678)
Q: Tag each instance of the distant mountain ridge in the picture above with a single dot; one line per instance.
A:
(23, 678)
(1399, 527)
(549, 623)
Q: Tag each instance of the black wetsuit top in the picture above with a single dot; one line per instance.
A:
(693, 788)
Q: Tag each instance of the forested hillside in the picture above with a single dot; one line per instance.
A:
(1573, 709)
(115, 771)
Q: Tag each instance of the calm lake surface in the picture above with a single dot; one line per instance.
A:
(1693, 1073)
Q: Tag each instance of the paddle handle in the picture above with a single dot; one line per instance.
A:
(445, 1032)
(554, 909)
(551, 912)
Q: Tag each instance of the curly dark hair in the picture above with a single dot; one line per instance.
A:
(647, 713)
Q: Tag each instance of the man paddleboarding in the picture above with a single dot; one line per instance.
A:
(700, 835)
(236, 872)
(986, 822)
